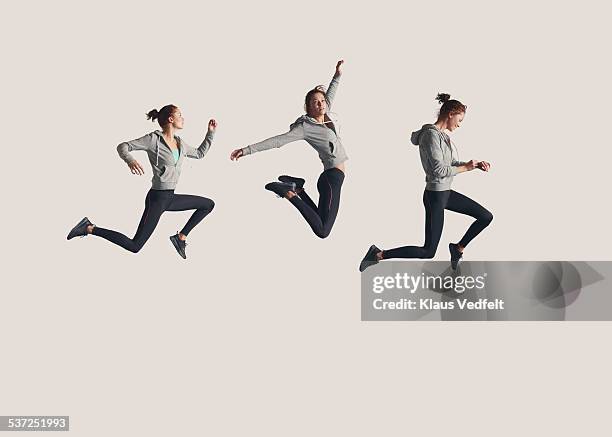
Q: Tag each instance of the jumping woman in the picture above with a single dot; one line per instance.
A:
(440, 162)
(166, 152)
(318, 130)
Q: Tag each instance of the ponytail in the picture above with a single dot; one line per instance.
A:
(449, 107)
(163, 115)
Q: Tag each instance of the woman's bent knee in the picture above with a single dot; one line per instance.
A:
(428, 252)
(487, 218)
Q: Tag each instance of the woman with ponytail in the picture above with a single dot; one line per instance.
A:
(441, 164)
(166, 152)
(318, 130)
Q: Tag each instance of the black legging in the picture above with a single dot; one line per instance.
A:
(435, 204)
(321, 218)
(156, 202)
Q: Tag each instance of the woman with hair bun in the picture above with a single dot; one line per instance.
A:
(441, 164)
(318, 130)
(166, 152)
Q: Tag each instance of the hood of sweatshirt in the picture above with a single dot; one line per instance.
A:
(417, 134)
(303, 118)
(308, 119)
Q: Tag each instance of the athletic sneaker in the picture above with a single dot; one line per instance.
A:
(179, 245)
(280, 188)
(455, 255)
(299, 182)
(370, 258)
(80, 230)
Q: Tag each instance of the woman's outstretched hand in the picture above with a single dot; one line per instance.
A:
(212, 125)
(470, 165)
(338, 68)
(483, 165)
(236, 154)
(136, 168)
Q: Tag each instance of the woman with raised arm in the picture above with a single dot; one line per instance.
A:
(441, 164)
(318, 130)
(166, 152)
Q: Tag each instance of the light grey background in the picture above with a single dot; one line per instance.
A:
(259, 331)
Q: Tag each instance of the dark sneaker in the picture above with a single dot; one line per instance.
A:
(455, 255)
(280, 188)
(299, 182)
(179, 245)
(80, 230)
(370, 258)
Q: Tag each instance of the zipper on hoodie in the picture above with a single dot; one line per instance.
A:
(178, 143)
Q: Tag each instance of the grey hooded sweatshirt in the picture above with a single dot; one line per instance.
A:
(438, 156)
(322, 138)
(166, 172)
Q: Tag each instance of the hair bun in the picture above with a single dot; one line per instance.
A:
(443, 98)
(152, 114)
